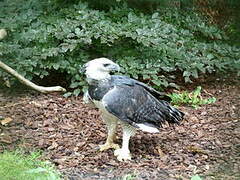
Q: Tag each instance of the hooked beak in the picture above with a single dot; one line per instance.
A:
(115, 67)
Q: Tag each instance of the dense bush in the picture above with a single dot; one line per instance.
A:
(43, 37)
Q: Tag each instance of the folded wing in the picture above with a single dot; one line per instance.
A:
(137, 105)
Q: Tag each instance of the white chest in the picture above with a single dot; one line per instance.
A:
(105, 114)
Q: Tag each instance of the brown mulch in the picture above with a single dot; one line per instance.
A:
(68, 132)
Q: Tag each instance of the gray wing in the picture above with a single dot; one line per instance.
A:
(135, 105)
(121, 80)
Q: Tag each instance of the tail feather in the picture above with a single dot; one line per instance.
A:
(147, 127)
(175, 115)
(171, 115)
(154, 114)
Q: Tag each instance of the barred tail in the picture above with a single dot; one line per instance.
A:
(175, 115)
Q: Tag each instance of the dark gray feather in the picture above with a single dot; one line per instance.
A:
(134, 102)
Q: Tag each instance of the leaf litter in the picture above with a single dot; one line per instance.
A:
(69, 134)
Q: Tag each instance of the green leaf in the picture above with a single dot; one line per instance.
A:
(78, 77)
(67, 94)
(74, 85)
(191, 98)
(146, 76)
(211, 100)
(195, 73)
(187, 79)
(186, 74)
(210, 56)
(76, 92)
(155, 15)
(197, 92)
(56, 66)
(196, 177)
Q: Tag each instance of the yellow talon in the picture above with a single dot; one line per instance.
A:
(108, 146)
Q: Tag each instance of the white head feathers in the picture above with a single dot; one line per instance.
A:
(99, 69)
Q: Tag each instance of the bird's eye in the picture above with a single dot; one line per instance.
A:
(106, 65)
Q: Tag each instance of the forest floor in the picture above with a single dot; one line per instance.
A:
(68, 133)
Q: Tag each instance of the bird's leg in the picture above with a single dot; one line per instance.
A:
(123, 154)
(111, 127)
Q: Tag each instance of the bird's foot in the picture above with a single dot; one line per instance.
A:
(122, 154)
(108, 146)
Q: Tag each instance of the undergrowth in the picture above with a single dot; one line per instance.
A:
(193, 98)
(18, 166)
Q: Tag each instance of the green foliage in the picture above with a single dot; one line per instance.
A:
(16, 165)
(193, 99)
(196, 177)
(131, 176)
(62, 35)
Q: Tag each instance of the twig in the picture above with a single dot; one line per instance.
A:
(29, 83)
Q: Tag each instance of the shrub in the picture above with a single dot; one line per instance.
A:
(151, 47)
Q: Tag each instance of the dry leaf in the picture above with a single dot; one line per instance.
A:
(36, 104)
(41, 142)
(6, 139)
(6, 121)
(195, 149)
(160, 152)
(53, 146)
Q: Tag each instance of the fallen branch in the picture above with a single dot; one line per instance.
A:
(28, 83)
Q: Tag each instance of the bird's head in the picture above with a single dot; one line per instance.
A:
(99, 69)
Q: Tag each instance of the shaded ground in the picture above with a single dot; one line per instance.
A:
(68, 132)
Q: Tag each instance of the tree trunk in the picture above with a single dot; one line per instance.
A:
(29, 83)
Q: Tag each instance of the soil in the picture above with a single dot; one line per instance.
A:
(68, 132)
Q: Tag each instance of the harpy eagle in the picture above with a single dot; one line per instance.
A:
(129, 102)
